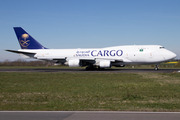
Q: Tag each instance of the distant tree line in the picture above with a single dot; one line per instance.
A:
(178, 64)
(22, 62)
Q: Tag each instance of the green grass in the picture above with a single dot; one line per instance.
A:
(90, 91)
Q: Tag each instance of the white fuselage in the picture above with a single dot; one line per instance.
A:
(118, 55)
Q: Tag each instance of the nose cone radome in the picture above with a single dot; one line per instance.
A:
(174, 55)
(170, 55)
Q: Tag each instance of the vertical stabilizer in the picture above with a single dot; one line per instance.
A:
(26, 41)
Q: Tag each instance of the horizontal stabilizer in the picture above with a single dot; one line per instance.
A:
(20, 52)
(23, 54)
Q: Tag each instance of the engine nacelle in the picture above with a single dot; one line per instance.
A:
(73, 63)
(105, 64)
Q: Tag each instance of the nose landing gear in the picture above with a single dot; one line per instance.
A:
(156, 68)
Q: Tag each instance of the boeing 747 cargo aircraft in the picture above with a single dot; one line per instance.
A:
(117, 56)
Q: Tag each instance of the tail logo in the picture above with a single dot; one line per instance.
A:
(23, 40)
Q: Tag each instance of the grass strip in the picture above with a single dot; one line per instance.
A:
(90, 91)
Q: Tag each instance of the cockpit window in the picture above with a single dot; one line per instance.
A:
(161, 47)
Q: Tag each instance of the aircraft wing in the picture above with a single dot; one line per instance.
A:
(97, 61)
(114, 59)
(94, 59)
(100, 59)
(51, 58)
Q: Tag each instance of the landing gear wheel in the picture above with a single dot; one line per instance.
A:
(99, 68)
(90, 67)
(156, 68)
(87, 68)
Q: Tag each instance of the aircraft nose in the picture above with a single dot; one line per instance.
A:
(171, 55)
(174, 55)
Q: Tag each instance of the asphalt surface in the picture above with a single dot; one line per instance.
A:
(91, 71)
(87, 115)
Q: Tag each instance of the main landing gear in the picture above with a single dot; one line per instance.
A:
(156, 68)
(90, 67)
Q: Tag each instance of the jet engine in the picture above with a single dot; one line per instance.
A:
(105, 64)
(74, 63)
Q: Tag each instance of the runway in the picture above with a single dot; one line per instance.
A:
(82, 70)
(87, 115)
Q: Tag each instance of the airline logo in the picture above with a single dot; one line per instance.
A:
(23, 40)
(95, 53)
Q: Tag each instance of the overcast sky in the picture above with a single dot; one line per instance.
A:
(90, 23)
